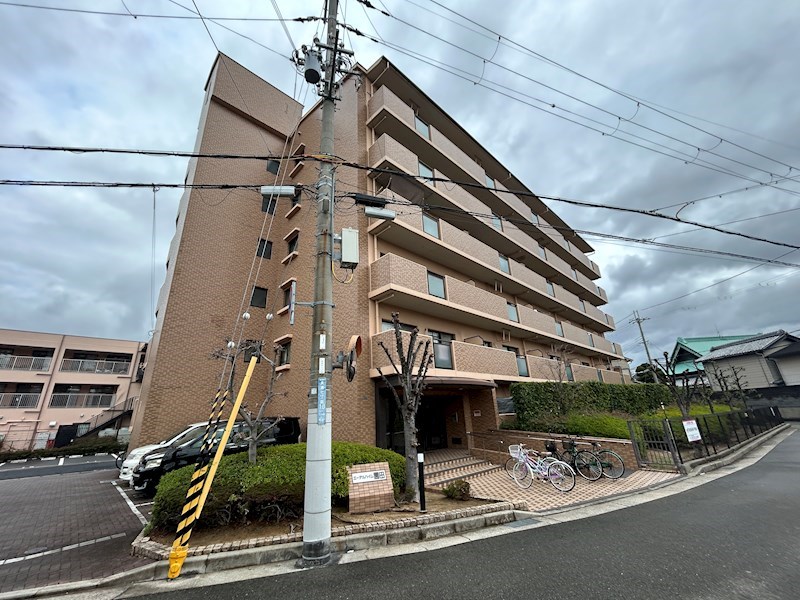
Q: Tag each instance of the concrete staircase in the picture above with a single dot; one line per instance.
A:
(444, 469)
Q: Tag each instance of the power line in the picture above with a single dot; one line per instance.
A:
(753, 218)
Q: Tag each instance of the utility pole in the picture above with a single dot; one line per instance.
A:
(638, 320)
(317, 511)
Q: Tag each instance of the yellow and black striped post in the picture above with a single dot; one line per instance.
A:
(204, 473)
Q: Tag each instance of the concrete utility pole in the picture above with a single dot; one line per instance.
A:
(638, 320)
(317, 512)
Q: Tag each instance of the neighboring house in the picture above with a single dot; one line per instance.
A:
(50, 381)
(767, 364)
(501, 299)
(688, 350)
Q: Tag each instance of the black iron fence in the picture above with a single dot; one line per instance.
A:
(669, 442)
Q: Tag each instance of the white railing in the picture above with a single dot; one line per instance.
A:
(81, 400)
(25, 363)
(14, 400)
(75, 365)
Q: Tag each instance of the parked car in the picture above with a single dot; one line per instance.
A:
(155, 464)
(134, 456)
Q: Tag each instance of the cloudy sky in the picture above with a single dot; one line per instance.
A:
(722, 75)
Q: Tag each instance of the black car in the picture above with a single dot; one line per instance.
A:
(153, 465)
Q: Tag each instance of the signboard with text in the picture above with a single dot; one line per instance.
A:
(692, 431)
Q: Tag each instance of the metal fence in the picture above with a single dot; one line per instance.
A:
(668, 443)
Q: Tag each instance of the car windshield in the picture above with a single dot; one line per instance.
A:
(186, 436)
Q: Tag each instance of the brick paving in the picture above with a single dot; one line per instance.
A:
(543, 496)
(47, 513)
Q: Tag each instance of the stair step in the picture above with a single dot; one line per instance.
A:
(467, 461)
(465, 476)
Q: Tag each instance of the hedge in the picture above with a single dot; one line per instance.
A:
(270, 490)
(537, 402)
(90, 445)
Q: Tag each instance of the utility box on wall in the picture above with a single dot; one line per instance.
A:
(349, 248)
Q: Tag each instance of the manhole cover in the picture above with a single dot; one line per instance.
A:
(35, 550)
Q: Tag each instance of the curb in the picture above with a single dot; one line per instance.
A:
(404, 531)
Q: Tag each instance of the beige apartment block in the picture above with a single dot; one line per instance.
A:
(500, 285)
(50, 382)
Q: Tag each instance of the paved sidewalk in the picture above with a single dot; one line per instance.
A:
(543, 496)
(61, 528)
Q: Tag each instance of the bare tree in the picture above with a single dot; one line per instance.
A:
(256, 426)
(411, 373)
(682, 387)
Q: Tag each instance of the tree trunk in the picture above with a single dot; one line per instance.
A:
(410, 436)
(252, 447)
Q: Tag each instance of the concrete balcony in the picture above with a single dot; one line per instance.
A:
(388, 114)
(81, 400)
(21, 400)
(25, 363)
(113, 367)
(406, 283)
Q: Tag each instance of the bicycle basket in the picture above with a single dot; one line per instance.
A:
(514, 450)
(568, 444)
(550, 446)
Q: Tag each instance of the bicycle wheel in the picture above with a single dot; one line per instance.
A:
(561, 476)
(521, 474)
(567, 456)
(612, 464)
(510, 465)
(588, 466)
(119, 459)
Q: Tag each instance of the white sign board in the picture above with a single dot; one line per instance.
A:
(692, 431)
(369, 476)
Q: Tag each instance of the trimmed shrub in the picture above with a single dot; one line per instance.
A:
(457, 490)
(270, 490)
(597, 425)
(89, 445)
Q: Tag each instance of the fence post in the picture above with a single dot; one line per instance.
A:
(724, 433)
(676, 456)
(636, 450)
(733, 426)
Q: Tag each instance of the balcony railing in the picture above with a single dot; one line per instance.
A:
(75, 365)
(81, 400)
(13, 400)
(25, 363)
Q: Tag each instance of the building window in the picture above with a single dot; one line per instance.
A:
(490, 182)
(259, 297)
(497, 222)
(442, 350)
(425, 170)
(574, 274)
(550, 289)
(513, 315)
(287, 296)
(284, 353)
(291, 244)
(591, 339)
(566, 244)
(430, 225)
(264, 249)
(568, 371)
(542, 252)
(487, 344)
(559, 329)
(599, 375)
(504, 266)
(436, 285)
(522, 364)
(535, 218)
(389, 326)
(268, 204)
(422, 127)
(583, 305)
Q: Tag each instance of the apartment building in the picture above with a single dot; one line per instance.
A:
(499, 284)
(50, 381)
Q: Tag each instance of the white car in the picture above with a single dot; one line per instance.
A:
(134, 456)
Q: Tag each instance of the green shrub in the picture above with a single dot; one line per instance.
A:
(597, 425)
(89, 445)
(457, 490)
(270, 490)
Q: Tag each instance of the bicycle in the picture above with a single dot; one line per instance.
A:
(531, 463)
(513, 450)
(611, 462)
(584, 462)
(119, 459)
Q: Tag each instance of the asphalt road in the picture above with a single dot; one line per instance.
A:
(737, 537)
(55, 466)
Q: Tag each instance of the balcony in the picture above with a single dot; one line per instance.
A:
(25, 363)
(553, 370)
(115, 367)
(21, 400)
(388, 114)
(81, 400)
(511, 240)
(406, 283)
(453, 244)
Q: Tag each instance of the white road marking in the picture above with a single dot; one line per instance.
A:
(19, 460)
(60, 461)
(130, 504)
(1, 464)
(8, 561)
(48, 458)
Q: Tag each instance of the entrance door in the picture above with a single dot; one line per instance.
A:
(431, 423)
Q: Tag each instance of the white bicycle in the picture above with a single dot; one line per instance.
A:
(530, 464)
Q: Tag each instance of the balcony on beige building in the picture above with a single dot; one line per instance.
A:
(448, 245)
(406, 283)
(116, 367)
(391, 117)
(19, 400)
(25, 363)
(69, 400)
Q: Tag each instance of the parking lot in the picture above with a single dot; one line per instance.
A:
(67, 526)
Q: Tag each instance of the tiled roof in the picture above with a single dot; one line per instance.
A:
(753, 344)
